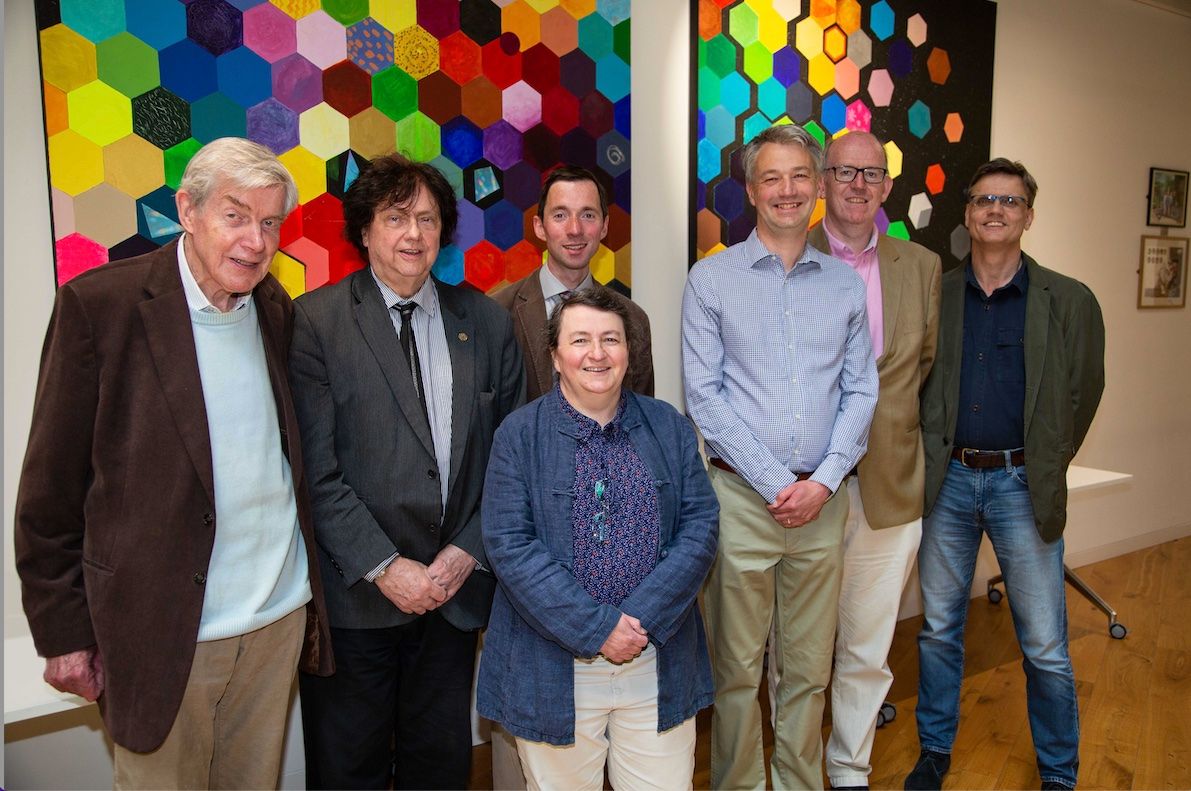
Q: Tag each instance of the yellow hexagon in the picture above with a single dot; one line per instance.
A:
(309, 171)
(788, 10)
(603, 265)
(300, 8)
(578, 8)
(133, 165)
(415, 52)
(520, 19)
(290, 273)
(835, 43)
(821, 74)
(808, 38)
(820, 210)
(76, 164)
(67, 59)
(99, 112)
(894, 155)
(372, 133)
(542, 6)
(847, 15)
(772, 30)
(324, 131)
(624, 264)
(394, 16)
(105, 215)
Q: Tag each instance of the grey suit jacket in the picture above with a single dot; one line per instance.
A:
(369, 453)
(525, 301)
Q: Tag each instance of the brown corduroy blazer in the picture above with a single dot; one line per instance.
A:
(115, 516)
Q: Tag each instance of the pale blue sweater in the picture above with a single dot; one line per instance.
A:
(258, 571)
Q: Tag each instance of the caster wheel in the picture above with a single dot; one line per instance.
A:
(995, 595)
(886, 714)
(1118, 631)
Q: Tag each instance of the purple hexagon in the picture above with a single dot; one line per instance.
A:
(297, 83)
(470, 230)
(502, 145)
(523, 182)
(522, 106)
(274, 125)
(214, 25)
(786, 68)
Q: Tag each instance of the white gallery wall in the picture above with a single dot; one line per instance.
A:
(1088, 93)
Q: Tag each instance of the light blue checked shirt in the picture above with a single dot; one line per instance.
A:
(778, 368)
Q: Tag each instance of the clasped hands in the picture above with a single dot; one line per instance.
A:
(626, 642)
(417, 589)
(799, 503)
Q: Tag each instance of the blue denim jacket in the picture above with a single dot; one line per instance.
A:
(542, 619)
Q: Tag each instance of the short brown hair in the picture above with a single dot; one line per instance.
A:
(571, 173)
(1009, 168)
(598, 297)
(394, 180)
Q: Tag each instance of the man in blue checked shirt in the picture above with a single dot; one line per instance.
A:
(780, 379)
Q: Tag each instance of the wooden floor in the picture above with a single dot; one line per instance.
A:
(1134, 694)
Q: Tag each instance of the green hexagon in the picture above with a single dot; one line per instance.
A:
(816, 131)
(128, 64)
(709, 89)
(177, 158)
(346, 12)
(898, 230)
(100, 113)
(742, 24)
(721, 55)
(758, 61)
(394, 93)
(621, 35)
(452, 172)
(418, 137)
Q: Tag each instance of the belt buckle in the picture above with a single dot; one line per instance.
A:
(964, 456)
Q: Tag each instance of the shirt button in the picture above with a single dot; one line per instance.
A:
(975, 407)
(980, 356)
(798, 417)
(208, 518)
(432, 528)
(200, 578)
(432, 474)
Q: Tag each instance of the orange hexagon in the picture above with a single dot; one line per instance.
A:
(481, 102)
(823, 12)
(835, 43)
(459, 57)
(521, 259)
(520, 19)
(560, 31)
(939, 66)
(936, 179)
(578, 8)
(710, 21)
(953, 128)
(134, 166)
(57, 116)
(847, 15)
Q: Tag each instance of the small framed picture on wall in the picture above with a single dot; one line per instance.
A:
(1162, 278)
(1167, 198)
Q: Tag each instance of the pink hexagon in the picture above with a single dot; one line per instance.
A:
(916, 30)
(76, 254)
(859, 118)
(880, 87)
(522, 106)
(321, 39)
(847, 78)
(270, 32)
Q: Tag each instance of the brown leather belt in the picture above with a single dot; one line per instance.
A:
(983, 459)
(726, 467)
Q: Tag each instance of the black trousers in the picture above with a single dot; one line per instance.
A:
(397, 711)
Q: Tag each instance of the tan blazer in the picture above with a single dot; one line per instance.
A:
(525, 301)
(892, 472)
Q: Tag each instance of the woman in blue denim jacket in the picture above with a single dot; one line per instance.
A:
(600, 525)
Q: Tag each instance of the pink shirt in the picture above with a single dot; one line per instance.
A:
(865, 264)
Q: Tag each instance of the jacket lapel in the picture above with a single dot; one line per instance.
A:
(461, 342)
(377, 328)
(893, 281)
(529, 308)
(951, 344)
(271, 318)
(1037, 326)
(166, 317)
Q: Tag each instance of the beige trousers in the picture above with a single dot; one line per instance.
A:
(231, 725)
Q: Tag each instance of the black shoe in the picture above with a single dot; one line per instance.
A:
(1053, 785)
(927, 774)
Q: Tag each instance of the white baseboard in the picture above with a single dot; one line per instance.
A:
(1096, 554)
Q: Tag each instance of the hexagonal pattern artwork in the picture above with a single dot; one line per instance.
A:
(494, 93)
(836, 66)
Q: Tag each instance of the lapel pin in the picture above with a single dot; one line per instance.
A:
(463, 336)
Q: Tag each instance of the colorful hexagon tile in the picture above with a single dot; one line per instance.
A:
(837, 66)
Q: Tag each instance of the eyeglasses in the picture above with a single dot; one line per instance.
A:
(846, 174)
(601, 526)
(1010, 202)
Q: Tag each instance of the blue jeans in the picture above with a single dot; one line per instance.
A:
(995, 501)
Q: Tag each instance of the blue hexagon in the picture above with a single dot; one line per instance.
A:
(448, 267)
(502, 224)
(244, 76)
(216, 116)
(156, 23)
(622, 116)
(834, 113)
(470, 230)
(800, 102)
(622, 191)
(734, 93)
(786, 66)
(918, 117)
(94, 20)
(615, 11)
(188, 70)
(272, 124)
(613, 153)
(771, 98)
(612, 77)
(880, 20)
(595, 36)
(721, 127)
(462, 141)
(754, 125)
(728, 198)
(244, 5)
(707, 161)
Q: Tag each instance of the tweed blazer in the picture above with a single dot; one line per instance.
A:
(369, 452)
(891, 473)
(1064, 349)
(525, 301)
(115, 516)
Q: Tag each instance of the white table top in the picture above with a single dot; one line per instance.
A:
(1080, 479)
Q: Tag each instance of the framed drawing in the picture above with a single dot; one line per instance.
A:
(1162, 277)
(1167, 198)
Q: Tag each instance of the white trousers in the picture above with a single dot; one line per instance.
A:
(877, 564)
(616, 720)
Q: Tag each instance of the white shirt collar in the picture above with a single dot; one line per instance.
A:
(426, 297)
(194, 295)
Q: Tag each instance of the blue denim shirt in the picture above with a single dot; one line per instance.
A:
(542, 619)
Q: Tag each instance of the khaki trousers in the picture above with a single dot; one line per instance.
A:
(231, 725)
(788, 578)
